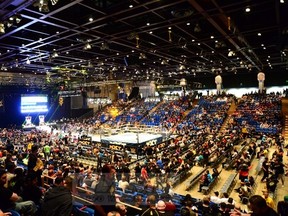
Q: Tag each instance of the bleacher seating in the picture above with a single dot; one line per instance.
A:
(195, 178)
(229, 184)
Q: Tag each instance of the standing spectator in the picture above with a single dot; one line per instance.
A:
(265, 168)
(35, 165)
(144, 174)
(279, 170)
(137, 171)
(47, 151)
(104, 199)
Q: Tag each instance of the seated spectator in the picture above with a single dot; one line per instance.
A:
(58, 200)
(11, 201)
(244, 191)
(138, 202)
(5, 214)
(31, 190)
(223, 210)
(123, 183)
(161, 206)
(151, 210)
(215, 199)
(206, 209)
(205, 180)
(282, 207)
(268, 199)
(188, 205)
(259, 207)
(121, 209)
(88, 180)
(113, 213)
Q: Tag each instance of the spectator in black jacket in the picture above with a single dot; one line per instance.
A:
(58, 200)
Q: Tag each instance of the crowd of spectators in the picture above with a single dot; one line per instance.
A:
(200, 142)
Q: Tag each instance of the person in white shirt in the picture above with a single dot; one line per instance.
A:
(215, 199)
(123, 184)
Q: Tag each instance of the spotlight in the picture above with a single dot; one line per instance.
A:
(28, 61)
(2, 28)
(247, 9)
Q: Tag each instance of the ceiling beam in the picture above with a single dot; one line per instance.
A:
(221, 30)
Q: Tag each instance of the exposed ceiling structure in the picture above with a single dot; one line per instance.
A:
(43, 42)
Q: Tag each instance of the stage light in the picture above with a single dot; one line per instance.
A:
(28, 61)
(247, 9)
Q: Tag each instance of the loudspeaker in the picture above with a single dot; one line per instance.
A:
(134, 93)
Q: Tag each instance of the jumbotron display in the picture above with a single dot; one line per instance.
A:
(34, 104)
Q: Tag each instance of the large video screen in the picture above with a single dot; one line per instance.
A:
(34, 103)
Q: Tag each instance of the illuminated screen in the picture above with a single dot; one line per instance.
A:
(34, 103)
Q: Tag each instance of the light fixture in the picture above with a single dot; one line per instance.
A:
(188, 24)
(91, 19)
(54, 54)
(18, 18)
(148, 24)
(259, 34)
(87, 46)
(182, 67)
(142, 56)
(197, 28)
(282, 1)
(104, 46)
(212, 37)
(2, 28)
(131, 6)
(231, 53)
(43, 6)
(54, 2)
(28, 61)
(247, 9)
(9, 23)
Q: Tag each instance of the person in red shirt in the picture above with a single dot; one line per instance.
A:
(144, 174)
